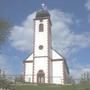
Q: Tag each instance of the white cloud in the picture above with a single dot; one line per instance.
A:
(64, 38)
(21, 36)
(87, 4)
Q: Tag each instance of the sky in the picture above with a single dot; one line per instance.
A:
(70, 33)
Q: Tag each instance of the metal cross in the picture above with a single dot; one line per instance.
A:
(44, 6)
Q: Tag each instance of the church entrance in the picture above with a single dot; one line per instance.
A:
(40, 77)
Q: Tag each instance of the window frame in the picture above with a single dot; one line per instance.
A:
(41, 27)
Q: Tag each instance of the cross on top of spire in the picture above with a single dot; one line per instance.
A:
(44, 6)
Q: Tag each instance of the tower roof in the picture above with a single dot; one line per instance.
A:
(43, 12)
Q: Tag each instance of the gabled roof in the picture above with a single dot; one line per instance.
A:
(56, 55)
(30, 58)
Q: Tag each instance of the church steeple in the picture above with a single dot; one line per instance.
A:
(42, 45)
(45, 64)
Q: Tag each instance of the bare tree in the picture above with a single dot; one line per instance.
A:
(85, 77)
(4, 30)
(5, 83)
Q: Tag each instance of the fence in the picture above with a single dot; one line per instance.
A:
(20, 78)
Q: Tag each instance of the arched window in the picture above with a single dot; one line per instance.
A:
(41, 28)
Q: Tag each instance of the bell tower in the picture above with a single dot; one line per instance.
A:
(42, 47)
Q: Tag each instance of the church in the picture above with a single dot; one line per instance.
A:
(44, 65)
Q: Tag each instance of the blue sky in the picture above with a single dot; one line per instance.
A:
(70, 32)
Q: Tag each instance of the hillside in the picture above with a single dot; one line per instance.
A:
(53, 87)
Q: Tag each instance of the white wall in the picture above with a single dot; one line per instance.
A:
(41, 56)
(41, 38)
(28, 72)
(57, 72)
(41, 64)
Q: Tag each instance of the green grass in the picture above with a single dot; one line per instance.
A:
(52, 87)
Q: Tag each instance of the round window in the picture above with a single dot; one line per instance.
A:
(41, 47)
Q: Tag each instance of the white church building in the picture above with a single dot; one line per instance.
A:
(44, 65)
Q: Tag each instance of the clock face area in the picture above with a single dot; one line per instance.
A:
(40, 47)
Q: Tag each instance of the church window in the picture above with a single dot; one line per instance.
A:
(41, 47)
(41, 28)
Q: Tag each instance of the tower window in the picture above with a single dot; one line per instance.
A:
(41, 28)
(41, 47)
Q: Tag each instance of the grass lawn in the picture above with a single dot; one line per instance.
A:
(52, 87)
